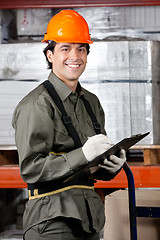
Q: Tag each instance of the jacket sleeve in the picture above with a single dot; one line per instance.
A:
(34, 135)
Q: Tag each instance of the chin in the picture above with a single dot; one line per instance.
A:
(73, 78)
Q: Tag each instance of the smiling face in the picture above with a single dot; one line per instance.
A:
(68, 62)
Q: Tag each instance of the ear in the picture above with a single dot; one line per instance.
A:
(50, 56)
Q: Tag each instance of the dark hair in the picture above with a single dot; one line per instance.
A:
(51, 47)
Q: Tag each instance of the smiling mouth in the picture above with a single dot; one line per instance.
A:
(73, 66)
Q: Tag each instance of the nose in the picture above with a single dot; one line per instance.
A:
(74, 54)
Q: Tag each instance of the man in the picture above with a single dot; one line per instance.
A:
(55, 139)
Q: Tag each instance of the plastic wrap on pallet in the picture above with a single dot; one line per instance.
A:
(8, 25)
(0, 26)
(22, 68)
(116, 104)
(129, 72)
(123, 74)
(11, 92)
(120, 61)
(23, 61)
(104, 22)
(32, 22)
(123, 22)
(141, 119)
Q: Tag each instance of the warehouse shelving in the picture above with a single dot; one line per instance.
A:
(145, 177)
(71, 3)
(146, 173)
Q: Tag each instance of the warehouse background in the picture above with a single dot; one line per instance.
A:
(123, 65)
(123, 71)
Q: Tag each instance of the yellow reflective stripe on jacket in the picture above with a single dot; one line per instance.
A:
(57, 153)
(36, 195)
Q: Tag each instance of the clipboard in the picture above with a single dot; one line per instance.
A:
(125, 144)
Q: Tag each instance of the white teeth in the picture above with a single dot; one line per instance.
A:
(73, 66)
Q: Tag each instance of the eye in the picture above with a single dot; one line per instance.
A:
(65, 49)
(82, 49)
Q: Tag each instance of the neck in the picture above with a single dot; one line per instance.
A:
(71, 84)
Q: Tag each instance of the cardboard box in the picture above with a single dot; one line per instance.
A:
(117, 225)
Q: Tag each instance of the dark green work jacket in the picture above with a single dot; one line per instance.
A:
(40, 135)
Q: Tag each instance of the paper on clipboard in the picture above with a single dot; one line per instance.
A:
(125, 144)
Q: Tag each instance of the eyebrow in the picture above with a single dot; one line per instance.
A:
(82, 45)
(67, 45)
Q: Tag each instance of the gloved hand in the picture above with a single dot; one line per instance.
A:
(114, 163)
(95, 146)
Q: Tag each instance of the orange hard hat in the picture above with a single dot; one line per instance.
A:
(67, 26)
